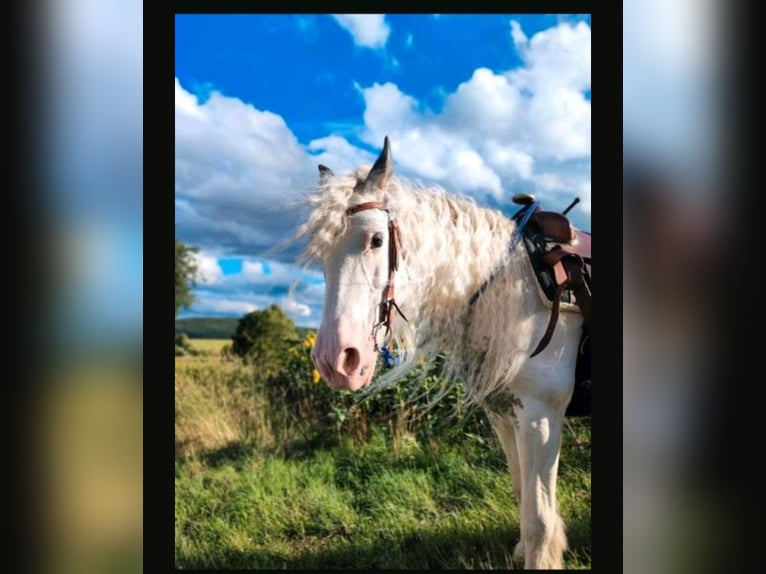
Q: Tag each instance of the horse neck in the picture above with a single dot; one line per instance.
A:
(450, 248)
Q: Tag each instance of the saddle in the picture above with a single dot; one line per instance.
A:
(561, 257)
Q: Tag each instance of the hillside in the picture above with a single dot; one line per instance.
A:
(207, 327)
(214, 327)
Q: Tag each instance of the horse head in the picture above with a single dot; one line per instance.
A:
(359, 276)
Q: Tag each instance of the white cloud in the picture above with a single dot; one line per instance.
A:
(368, 30)
(486, 105)
(498, 132)
(186, 102)
(292, 307)
(209, 272)
(518, 35)
(548, 182)
(213, 304)
(253, 271)
(237, 170)
(338, 154)
(387, 105)
(585, 204)
(555, 58)
(509, 160)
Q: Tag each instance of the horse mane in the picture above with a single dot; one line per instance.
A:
(450, 246)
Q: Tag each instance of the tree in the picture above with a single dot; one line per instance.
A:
(264, 336)
(186, 272)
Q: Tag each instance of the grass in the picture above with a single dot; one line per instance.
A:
(246, 500)
(209, 346)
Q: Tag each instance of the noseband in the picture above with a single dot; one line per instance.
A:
(387, 303)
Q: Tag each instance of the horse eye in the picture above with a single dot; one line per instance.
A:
(377, 240)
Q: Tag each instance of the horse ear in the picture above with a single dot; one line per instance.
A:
(381, 171)
(324, 172)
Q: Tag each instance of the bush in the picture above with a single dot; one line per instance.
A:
(183, 346)
(303, 404)
(262, 337)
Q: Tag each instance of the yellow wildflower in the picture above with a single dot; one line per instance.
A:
(310, 340)
(315, 376)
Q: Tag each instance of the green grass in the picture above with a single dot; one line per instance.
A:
(362, 506)
(246, 497)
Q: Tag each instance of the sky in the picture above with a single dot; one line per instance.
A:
(262, 99)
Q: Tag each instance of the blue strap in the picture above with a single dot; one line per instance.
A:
(390, 360)
(520, 226)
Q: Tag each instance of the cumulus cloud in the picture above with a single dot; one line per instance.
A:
(292, 307)
(368, 30)
(209, 272)
(527, 129)
(237, 170)
(339, 154)
(558, 57)
(220, 305)
(518, 35)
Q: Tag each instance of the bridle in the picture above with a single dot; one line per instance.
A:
(387, 302)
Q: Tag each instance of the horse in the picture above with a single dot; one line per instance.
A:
(401, 262)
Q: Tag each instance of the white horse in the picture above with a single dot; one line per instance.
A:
(373, 232)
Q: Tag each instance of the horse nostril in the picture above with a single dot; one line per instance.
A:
(350, 362)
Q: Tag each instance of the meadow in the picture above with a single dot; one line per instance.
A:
(274, 470)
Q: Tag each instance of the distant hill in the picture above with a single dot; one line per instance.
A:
(214, 327)
(207, 327)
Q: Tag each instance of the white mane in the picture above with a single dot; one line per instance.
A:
(450, 246)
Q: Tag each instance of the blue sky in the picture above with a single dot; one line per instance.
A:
(262, 99)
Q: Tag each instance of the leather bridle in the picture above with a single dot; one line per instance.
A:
(387, 302)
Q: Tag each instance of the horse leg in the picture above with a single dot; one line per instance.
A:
(538, 437)
(502, 424)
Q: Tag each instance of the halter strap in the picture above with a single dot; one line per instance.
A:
(369, 205)
(387, 302)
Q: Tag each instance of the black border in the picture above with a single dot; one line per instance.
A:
(26, 236)
(606, 513)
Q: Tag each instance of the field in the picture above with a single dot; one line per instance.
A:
(318, 481)
(209, 346)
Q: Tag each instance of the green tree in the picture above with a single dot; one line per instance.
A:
(186, 271)
(264, 336)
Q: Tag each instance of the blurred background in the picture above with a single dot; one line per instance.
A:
(681, 201)
(87, 419)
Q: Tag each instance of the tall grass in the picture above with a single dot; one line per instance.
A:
(282, 473)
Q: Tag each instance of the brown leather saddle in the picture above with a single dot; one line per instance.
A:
(561, 257)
